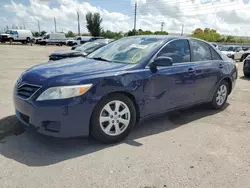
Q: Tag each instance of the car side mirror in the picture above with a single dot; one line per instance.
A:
(162, 61)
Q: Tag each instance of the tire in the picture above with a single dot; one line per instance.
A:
(220, 95)
(11, 40)
(244, 57)
(106, 131)
(246, 74)
(28, 40)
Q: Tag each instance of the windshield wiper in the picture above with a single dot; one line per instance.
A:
(100, 59)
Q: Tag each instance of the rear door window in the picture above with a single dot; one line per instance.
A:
(201, 51)
(215, 55)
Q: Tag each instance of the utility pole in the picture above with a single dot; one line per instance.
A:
(182, 28)
(78, 19)
(135, 17)
(38, 24)
(55, 23)
(162, 24)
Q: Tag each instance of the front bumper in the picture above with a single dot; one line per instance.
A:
(4, 39)
(56, 120)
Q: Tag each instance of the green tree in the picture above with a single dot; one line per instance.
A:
(70, 34)
(230, 39)
(207, 34)
(43, 33)
(94, 21)
(36, 34)
(111, 35)
(161, 33)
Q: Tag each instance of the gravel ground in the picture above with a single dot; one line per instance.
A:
(197, 147)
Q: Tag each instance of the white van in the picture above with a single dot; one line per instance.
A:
(53, 38)
(15, 35)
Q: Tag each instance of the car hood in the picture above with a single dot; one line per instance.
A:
(65, 53)
(69, 71)
(4, 34)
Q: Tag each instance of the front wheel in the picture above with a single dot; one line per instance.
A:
(113, 118)
(220, 95)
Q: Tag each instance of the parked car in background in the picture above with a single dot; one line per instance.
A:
(235, 52)
(215, 45)
(109, 91)
(15, 35)
(229, 51)
(246, 66)
(78, 40)
(242, 54)
(68, 40)
(81, 50)
(53, 38)
(37, 39)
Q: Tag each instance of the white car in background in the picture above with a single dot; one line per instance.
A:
(235, 52)
(229, 51)
(78, 40)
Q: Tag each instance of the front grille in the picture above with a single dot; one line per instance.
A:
(25, 91)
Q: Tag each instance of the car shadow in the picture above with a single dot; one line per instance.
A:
(33, 149)
(245, 78)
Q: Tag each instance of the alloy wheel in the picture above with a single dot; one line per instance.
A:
(221, 95)
(114, 118)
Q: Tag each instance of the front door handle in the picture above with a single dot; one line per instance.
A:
(190, 71)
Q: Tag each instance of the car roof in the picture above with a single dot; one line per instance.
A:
(164, 37)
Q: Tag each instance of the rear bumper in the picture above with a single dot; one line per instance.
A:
(56, 121)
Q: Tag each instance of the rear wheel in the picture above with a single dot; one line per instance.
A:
(28, 40)
(220, 95)
(246, 74)
(113, 118)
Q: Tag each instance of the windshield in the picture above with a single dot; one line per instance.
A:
(46, 36)
(129, 50)
(228, 48)
(88, 47)
(8, 32)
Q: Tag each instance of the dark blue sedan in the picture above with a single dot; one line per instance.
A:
(109, 91)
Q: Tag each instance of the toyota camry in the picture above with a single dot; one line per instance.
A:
(109, 91)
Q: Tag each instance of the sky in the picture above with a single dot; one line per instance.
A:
(229, 17)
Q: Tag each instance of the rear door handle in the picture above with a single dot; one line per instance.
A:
(190, 71)
(220, 66)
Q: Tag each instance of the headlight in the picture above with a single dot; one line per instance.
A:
(63, 92)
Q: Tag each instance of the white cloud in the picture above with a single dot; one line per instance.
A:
(226, 16)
